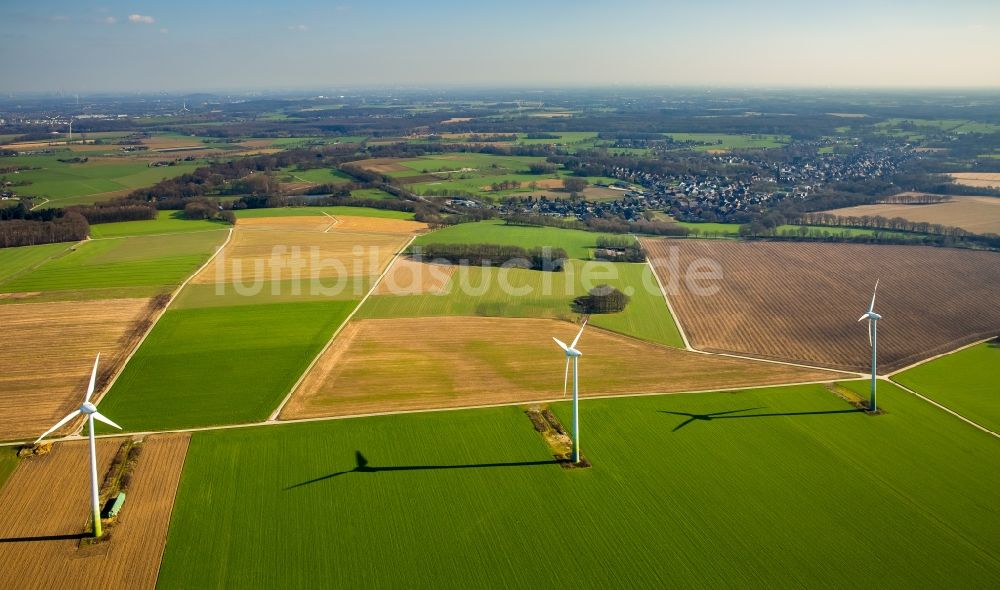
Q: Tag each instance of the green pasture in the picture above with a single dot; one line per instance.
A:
(139, 265)
(165, 222)
(510, 292)
(780, 487)
(220, 365)
(728, 141)
(8, 462)
(577, 243)
(264, 291)
(319, 176)
(14, 261)
(964, 381)
(79, 183)
(335, 210)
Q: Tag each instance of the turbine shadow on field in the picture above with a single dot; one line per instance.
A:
(724, 415)
(361, 466)
(66, 537)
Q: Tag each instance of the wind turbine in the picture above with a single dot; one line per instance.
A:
(873, 319)
(574, 354)
(90, 410)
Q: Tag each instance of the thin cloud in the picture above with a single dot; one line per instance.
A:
(141, 19)
(109, 20)
(164, 30)
(298, 28)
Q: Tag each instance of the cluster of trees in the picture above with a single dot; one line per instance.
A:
(542, 168)
(505, 185)
(70, 227)
(619, 249)
(601, 299)
(913, 199)
(208, 209)
(114, 211)
(549, 259)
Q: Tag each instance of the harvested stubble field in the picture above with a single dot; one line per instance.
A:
(50, 350)
(418, 363)
(411, 277)
(977, 179)
(800, 301)
(980, 215)
(44, 511)
(285, 248)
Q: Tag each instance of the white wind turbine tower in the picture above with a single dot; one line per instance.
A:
(574, 354)
(90, 410)
(873, 319)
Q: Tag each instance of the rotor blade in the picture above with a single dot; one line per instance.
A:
(566, 377)
(580, 333)
(872, 306)
(869, 332)
(105, 419)
(93, 379)
(561, 344)
(71, 415)
(862, 317)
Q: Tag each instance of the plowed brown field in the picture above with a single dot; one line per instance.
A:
(801, 301)
(49, 349)
(418, 363)
(44, 511)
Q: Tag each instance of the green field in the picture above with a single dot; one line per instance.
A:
(727, 141)
(77, 183)
(495, 292)
(964, 381)
(14, 261)
(220, 365)
(198, 295)
(320, 176)
(338, 210)
(783, 487)
(475, 173)
(165, 222)
(733, 230)
(8, 462)
(577, 243)
(137, 266)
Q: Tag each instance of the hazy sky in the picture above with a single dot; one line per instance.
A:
(81, 46)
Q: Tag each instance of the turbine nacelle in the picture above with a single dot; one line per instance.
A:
(88, 408)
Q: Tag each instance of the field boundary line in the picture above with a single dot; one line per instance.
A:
(937, 356)
(332, 225)
(156, 320)
(670, 308)
(33, 207)
(274, 415)
(945, 408)
(77, 437)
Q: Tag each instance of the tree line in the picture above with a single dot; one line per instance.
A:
(548, 259)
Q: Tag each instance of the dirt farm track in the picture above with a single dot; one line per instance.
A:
(801, 301)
